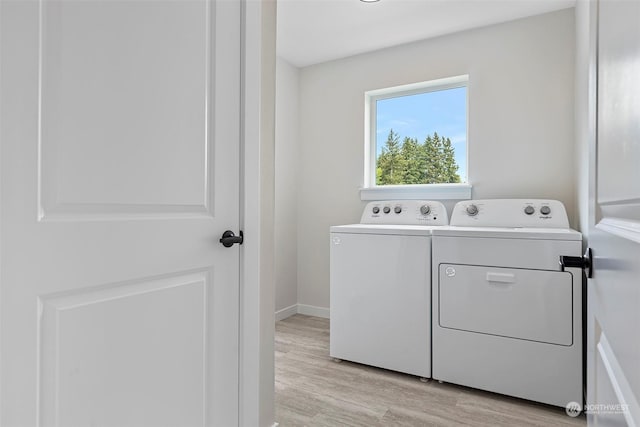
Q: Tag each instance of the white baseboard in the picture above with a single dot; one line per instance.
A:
(286, 312)
(309, 310)
(312, 310)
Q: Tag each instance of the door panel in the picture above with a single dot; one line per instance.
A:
(618, 124)
(609, 389)
(122, 105)
(119, 173)
(613, 376)
(161, 359)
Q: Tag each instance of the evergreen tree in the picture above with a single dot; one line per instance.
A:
(449, 165)
(431, 148)
(409, 162)
(410, 153)
(378, 175)
(438, 166)
(390, 161)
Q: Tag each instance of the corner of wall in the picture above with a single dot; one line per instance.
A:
(286, 183)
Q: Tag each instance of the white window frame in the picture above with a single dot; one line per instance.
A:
(371, 191)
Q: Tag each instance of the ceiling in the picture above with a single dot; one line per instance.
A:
(314, 31)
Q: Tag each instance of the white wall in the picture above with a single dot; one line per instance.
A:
(521, 124)
(286, 176)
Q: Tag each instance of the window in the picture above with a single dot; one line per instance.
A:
(417, 134)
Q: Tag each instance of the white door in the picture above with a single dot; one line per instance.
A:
(613, 357)
(119, 173)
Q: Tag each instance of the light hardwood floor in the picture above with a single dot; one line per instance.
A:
(313, 390)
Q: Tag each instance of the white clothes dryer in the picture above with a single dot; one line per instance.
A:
(380, 284)
(506, 318)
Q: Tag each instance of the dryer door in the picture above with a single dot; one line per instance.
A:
(534, 305)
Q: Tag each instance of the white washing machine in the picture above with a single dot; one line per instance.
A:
(381, 286)
(505, 317)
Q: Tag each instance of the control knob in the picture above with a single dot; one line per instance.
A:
(425, 209)
(545, 210)
(472, 210)
(397, 209)
(386, 209)
(529, 210)
(376, 210)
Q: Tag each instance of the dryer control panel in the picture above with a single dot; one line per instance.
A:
(536, 213)
(405, 212)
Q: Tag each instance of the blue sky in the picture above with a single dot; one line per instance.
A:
(417, 116)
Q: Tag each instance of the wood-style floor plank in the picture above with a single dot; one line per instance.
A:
(313, 390)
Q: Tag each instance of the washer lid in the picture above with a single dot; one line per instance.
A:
(509, 233)
(408, 230)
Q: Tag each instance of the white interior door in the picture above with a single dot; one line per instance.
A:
(613, 357)
(119, 173)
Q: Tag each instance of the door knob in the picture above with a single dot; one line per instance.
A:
(229, 239)
(584, 262)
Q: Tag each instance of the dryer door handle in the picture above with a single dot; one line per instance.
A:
(501, 277)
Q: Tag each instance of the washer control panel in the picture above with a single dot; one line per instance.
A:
(405, 212)
(510, 213)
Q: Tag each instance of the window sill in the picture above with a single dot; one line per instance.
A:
(418, 192)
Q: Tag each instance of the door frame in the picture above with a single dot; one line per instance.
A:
(586, 21)
(257, 283)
